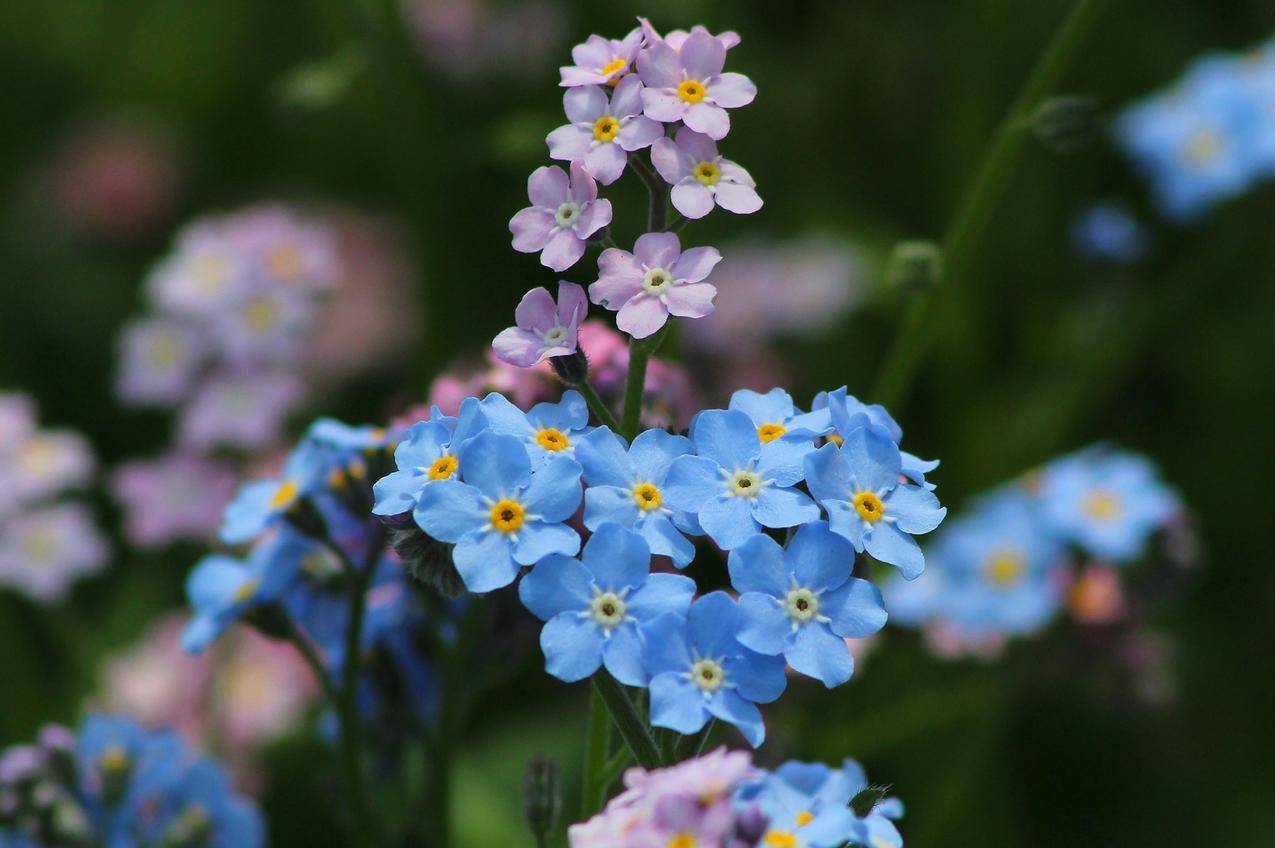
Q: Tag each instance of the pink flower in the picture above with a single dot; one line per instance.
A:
(701, 178)
(1096, 596)
(179, 496)
(602, 132)
(689, 85)
(563, 214)
(677, 37)
(601, 61)
(655, 281)
(544, 328)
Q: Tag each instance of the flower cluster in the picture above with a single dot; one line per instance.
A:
(1051, 540)
(722, 799)
(1208, 137)
(47, 541)
(316, 566)
(501, 487)
(116, 784)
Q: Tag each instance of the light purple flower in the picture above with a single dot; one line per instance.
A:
(655, 281)
(158, 360)
(602, 132)
(689, 86)
(43, 552)
(180, 496)
(544, 328)
(204, 272)
(563, 214)
(601, 61)
(268, 326)
(701, 178)
(676, 38)
(17, 418)
(43, 464)
(237, 410)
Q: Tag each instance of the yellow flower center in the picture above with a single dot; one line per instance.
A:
(836, 440)
(613, 67)
(707, 675)
(690, 91)
(114, 760)
(606, 129)
(284, 494)
(1101, 505)
(443, 467)
(164, 352)
(552, 440)
(508, 516)
(647, 496)
(682, 840)
(41, 545)
(707, 173)
(283, 262)
(804, 818)
(781, 839)
(1004, 567)
(1203, 148)
(245, 591)
(770, 432)
(869, 507)
(210, 271)
(261, 315)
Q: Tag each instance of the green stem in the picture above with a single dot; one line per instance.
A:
(988, 186)
(631, 726)
(597, 745)
(693, 745)
(598, 406)
(316, 665)
(640, 352)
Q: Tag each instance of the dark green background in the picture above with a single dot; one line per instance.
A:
(869, 120)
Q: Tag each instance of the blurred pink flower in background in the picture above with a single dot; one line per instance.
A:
(117, 180)
(470, 38)
(177, 496)
(948, 641)
(1096, 595)
(235, 699)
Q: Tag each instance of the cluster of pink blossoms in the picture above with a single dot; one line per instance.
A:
(47, 541)
(671, 96)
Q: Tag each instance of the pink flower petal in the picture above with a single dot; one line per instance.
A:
(593, 217)
(735, 174)
(626, 100)
(563, 250)
(615, 262)
(707, 118)
(568, 143)
(692, 198)
(639, 132)
(606, 162)
(691, 300)
(573, 305)
(584, 105)
(573, 77)
(662, 104)
(547, 187)
(518, 347)
(613, 292)
(641, 316)
(671, 160)
(732, 90)
(738, 198)
(536, 311)
(657, 250)
(531, 228)
(702, 55)
(593, 54)
(583, 188)
(697, 146)
(696, 264)
(660, 67)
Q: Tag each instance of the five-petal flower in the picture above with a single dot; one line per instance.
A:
(563, 213)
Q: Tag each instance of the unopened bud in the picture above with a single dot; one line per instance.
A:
(541, 797)
(426, 559)
(915, 265)
(305, 516)
(1067, 124)
(866, 799)
(573, 368)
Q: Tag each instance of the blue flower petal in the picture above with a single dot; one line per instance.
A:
(666, 540)
(763, 624)
(873, 459)
(759, 565)
(712, 622)
(396, 492)
(572, 647)
(914, 510)
(617, 558)
(783, 460)
(888, 544)
(622, 655)
(676, 703)
(727, 705)
(557, 584)
(554, 492)
(728, 520)
(776, 507)
(497, 465)
(815, 652)
(609, 504)
(727, 437)
(819, 558)
(449, 509)
(653, 451)
(667, 648)
(773, 407)
(856, 609)
(537, 540)
(758, 677)
(692, 481)
(503, 417)
(828, 473)
(602, 456)
(484, 561)
(662, 593)
(570, 413)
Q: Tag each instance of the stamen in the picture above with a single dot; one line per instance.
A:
(869, 507)
(553, 440)
(690, 91)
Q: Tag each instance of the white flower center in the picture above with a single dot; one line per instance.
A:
(567, 214)
(708, 675)
(657, 281)
(556, 336)
(802, 605)
(607, 609)
(745, 484)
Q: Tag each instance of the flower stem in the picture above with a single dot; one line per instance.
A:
(988, 186)
(596, 751)
(640, 351)
(596, 404)
(311, 657)
(631, 726)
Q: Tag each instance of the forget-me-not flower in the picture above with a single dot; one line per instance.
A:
(547, 430)
(428, 454)
(261, 503)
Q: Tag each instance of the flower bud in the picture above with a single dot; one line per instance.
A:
(1067, 124)
(915, 265)
(426, 559)
(541, 797)
(866, 799)
(573, 368)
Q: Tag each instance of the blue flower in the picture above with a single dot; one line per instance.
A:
(119, 762)
(222, 589)
(734, 487)
(807, 804)
(848, 413)
(801, 602)
(775, 416)
(594, 608)
(429, 453)
(200, 808)
(261, 503)
(699, 669)
(1106, 503)
(628, 488)
(858, 484)
(350, 438)
(505, 515)
(548, 430)
(1108, 233)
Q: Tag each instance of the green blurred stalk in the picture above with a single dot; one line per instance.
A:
(987, 188)
(596, 753)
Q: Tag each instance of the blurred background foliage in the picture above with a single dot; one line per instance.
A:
(869, 121)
